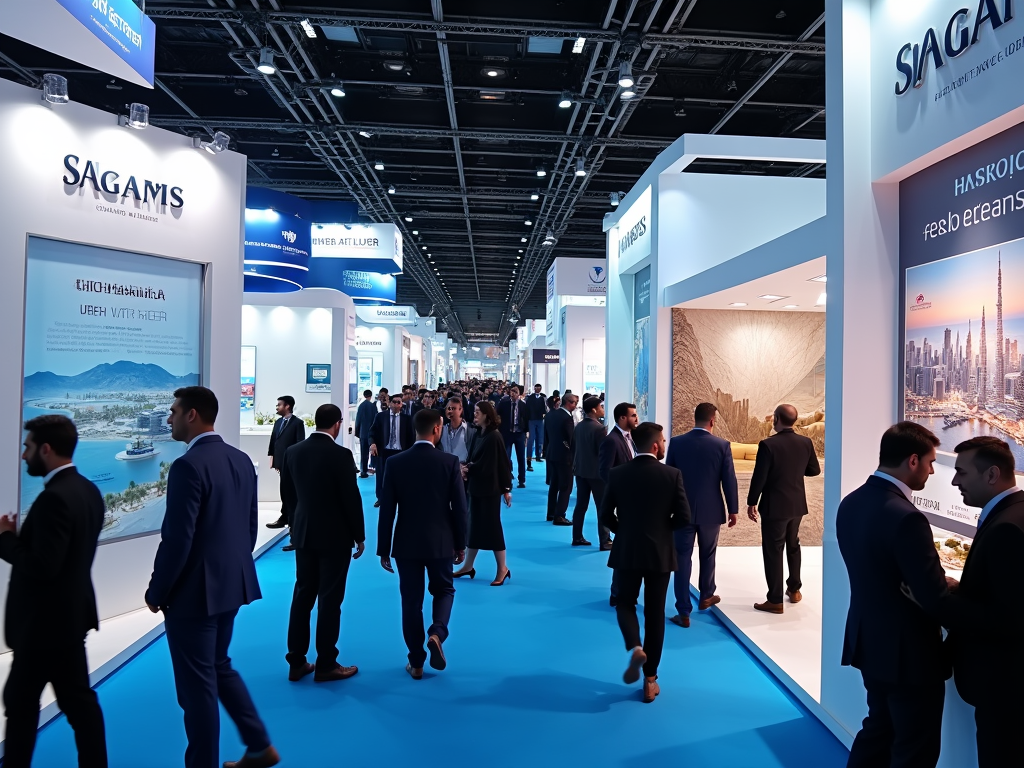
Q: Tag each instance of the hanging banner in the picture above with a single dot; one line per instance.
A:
(370, 247)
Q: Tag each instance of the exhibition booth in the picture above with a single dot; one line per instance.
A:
(575, 317)
(396, 346)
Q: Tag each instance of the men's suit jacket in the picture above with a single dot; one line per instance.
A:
(887, 543)
(984, 615)
(204, 563)
(588, 437)
(366, 413)
(614, 452)
(424, 487)
(708, 472)
(645, 501)
(284, 436)
(783, 461)
(318, 487)
(50, 599)
(381, 433)
(558, 437)
(505, 414)
(536, 406)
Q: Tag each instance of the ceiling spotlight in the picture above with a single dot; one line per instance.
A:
(626, 75)
(138, 116)
(580, 170)
(818, 279)
(528, 223)
(566, 101)
(549, 239)
(577, 47)
(391, 189)
(541, 173)
(780, 15)
(217, 144)
(615, 199)
(416, 232)
(365, 134)
(491, 72)
(771, 297)
(378, 165)
(408, 218)
(520, 250)
(738, 304)
(791, 306)
(535, 196)
(731, 85)
(307, 28)
(627, 93)
(424, 247)
(338, 91)
(394, 66)
(275, 153)
(821, 300)
(55, 89)
(113, 86)
(266, 65)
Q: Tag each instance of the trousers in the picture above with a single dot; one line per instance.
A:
(777, 535)
(320, 578)
(441, 585)
(655, 587)
(706, 537)
(535, 440)
(364, 454)
(903, 728)
(559, 489)
(585, 488)
(517, 440)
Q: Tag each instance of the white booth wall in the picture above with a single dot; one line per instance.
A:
(582, 340)
(207, 229)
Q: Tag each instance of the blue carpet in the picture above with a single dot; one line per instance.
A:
(533, 678)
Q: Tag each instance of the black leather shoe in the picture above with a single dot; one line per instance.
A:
(612, 601)
(529, 467)
(297, 673)
(363, 474)
(561, 521)
(281, 522)
(376, 503)
(288, 548)
(606, 547)
(521, 485)
(581, 543)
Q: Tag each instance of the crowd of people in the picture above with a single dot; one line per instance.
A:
(442, 463)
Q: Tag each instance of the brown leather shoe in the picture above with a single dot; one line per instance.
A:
(297, 673)
(794, 597)
(651, 689)
(680, 620)
(769, 607)
(338, 673)
(437, 659)
(415, 672)
(708, 602)
(267, 758)
(636, 661)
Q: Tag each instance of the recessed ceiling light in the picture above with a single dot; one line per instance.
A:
(771, 297)
(535, 196)
(791, 306)
(541, 173)
(818, 279)
(577, 47)
(493, 71)
(391, 189)
(424, 247)
(522, 240)
(394, 66)
(415, 231)
(365, 134)
(738, 304)
(528, 223)
(307, 28)
(338, 91)
(408, 218)
(378, 165)
(821, 300)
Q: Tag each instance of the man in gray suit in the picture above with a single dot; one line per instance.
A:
(586, 466)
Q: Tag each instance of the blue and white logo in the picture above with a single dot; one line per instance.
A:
(288, 235)
(598, 275)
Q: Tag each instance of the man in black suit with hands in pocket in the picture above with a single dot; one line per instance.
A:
(51, 604)
(288, 430)
(558, 452)
(318, 484)
(423, 487)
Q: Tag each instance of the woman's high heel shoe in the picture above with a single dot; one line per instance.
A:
(471, 573)
(503, 579)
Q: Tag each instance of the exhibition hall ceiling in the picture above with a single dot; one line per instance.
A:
(455, 106)
(798, 289)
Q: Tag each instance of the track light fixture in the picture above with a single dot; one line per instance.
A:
(549, 239)
(541, 173)
(307, 28)
(627, 93)
(615, 199)
(338, 91)
(216, 145)
(580, 169)
(378, 165)
(137, 118)
(266, 65)
(55, 89)
(626, 75)
(566, 101)
(535, 196)
(391, 189)
(528, 223)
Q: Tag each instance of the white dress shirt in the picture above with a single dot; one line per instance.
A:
(629, 440)
(197, 438)
(987, 509)
(52, 472)
(904, 488)
(453, 441)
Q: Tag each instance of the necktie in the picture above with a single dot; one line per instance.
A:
(394, 429)
(515, 416)
(629, 442)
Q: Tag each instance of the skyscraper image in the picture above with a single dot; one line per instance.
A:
(983, 368)
(999, 391)
(969, 361)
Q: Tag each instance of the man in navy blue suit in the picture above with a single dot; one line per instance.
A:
(515, 423)
(708, 473)
(424, 486)
(204, 572)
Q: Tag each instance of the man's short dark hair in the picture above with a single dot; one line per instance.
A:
(903, 440)
(622, 410)
(538, 386)
(367, 393)
(422, 392)
(515, 387)
(646, 435)
(425, 420)
(704, 413)
(990, 452)
(287, 400)
(56, 431)
(201, 400)
(555, 393)
(590, 404)
(384, 390)
(394, 397)
(327, 415)
(787, 415)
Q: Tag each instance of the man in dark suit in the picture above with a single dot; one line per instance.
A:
(319, 485)
(50, 600)
(391, 434)
(288, 430)
(589, 435)
(423, 486)
(616, 449)
(202, 575)
(897, 587)
(536, 409)
(783, 461)
(366, 413)
(708, 473)
(644, 503)
(515, 423)
(986, 625)
(558, 439)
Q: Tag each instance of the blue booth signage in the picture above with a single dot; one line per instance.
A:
(122, 27)
(276, 251)
(318, 377)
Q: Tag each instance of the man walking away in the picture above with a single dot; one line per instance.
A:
(644, 503)
(51, 604)
(536, 409)
(708, 474)
(203, 573)
(783, 461)
(616, 449)
(589, 435)
(558, 437)
(318, 480)
(897, 587)
(423, 487)
(365, 415)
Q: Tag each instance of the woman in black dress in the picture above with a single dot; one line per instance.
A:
(490, 477)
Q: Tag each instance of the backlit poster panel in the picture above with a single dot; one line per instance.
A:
(109, 336)
(641, 341)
